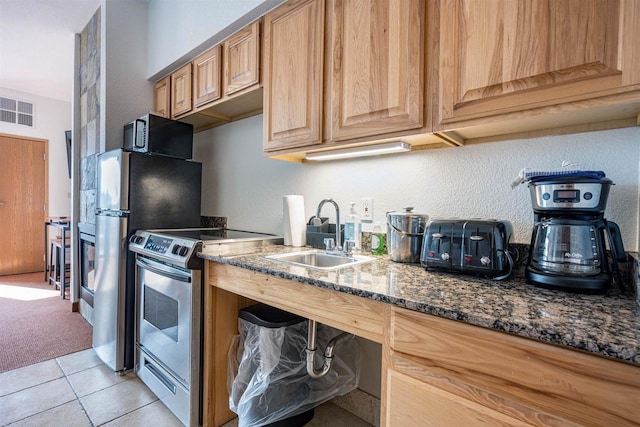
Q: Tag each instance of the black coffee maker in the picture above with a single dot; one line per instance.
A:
(570, 235)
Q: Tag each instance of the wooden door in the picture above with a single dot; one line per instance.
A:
(242, 59)
(162, 91)
(206, 77)
(22, 204)
(503, 56)
(181, 91)
(293, 58)
(376, 62)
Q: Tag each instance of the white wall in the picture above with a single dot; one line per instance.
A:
(52, 118)
(471, 182)
(178, 26)
(125, 92)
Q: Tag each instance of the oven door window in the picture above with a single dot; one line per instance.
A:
(162, 312)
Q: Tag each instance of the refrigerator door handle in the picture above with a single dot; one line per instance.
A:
(111, 212)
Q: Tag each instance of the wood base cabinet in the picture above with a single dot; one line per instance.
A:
(441, 372)
(435, 371)
(414, 403)
(504, 56)
(229, 288)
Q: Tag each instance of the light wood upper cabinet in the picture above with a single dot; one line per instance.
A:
(181, 91)
(162, 91)
(206, 77)
(221, 85)
(501, 56)
(293, 73)
(242, 59)
(376, 59)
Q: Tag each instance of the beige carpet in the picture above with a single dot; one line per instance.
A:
(36, 324)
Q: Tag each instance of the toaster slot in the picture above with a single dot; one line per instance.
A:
(478, 247)
(439, 249)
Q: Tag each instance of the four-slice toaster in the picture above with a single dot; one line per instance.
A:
(469, 246)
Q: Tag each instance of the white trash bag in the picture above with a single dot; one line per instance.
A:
(268, 378)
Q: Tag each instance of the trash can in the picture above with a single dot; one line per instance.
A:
(268, 380)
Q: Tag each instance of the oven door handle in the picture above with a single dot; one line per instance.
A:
(161, 271)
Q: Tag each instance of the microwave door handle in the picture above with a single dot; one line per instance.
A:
(140, 131)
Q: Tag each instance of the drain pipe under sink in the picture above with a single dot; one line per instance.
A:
(328, 351)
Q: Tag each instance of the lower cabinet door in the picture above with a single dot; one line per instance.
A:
(411, 402)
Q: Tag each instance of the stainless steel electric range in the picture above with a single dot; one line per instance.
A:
(169, 309)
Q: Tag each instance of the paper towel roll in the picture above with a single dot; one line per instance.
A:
(294, 221)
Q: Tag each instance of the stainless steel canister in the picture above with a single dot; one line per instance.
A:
(405, 232)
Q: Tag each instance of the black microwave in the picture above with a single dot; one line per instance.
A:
(153, 134)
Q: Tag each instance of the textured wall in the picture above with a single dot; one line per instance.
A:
(473, 181)
(89, 116)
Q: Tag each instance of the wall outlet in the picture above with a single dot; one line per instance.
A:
(367, 209)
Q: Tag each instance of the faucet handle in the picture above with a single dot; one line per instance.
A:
(348, 247)
(329, 244)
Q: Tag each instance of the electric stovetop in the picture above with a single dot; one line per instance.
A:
(211, 234)
(180, 246)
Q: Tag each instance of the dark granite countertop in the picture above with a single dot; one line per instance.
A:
(608, 325)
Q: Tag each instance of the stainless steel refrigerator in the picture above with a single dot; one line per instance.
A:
(135, 191)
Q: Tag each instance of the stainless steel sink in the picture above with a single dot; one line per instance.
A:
(320, 260)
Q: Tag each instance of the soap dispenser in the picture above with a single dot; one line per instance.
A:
(353, 227)
(378, 240)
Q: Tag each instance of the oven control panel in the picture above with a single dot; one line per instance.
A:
(157, 244)
(169, 249)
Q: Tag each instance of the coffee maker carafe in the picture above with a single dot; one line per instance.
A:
(570, 235)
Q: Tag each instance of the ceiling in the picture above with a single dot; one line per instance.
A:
(36, 44)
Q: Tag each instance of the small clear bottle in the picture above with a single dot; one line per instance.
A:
(353, 227)
(378, 240)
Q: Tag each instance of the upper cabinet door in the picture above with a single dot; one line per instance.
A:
(181, 91)
(377, 69)
(501, 56)
(293, 65)
(242, 59)
(162, 103)
(206, 77)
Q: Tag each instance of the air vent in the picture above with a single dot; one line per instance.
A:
(14, 111)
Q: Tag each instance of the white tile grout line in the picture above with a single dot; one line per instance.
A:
(66, 377)
(123, 415)
(36, 413)
(77, 398)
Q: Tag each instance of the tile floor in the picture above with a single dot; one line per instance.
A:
(78, 390)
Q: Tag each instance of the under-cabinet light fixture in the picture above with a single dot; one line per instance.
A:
(367, 150)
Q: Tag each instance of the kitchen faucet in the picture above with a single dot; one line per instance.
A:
(332, 247)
